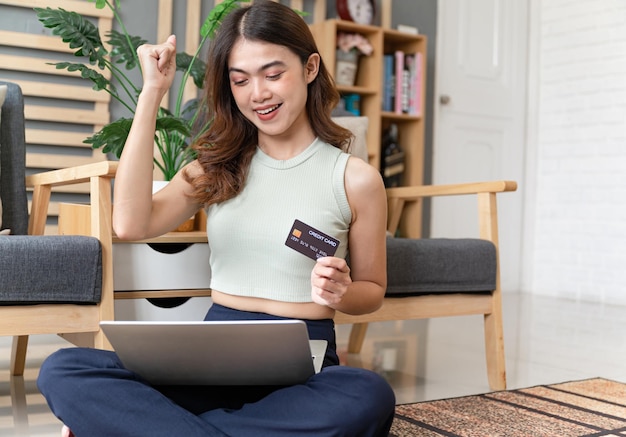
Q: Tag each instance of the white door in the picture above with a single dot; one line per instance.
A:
(480, 116)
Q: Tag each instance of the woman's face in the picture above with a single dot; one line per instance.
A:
(269, 84)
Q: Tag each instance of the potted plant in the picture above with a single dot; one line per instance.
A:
(175, 129)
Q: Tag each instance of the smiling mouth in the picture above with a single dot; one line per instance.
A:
(268, 110)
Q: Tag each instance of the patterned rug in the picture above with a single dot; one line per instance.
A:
(592, 407)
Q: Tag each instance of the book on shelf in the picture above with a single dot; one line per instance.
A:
(388, 82)
(402, 83)
(415, 83)
(399, 79)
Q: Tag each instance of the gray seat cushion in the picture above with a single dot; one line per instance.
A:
(439, 265)
(50, 269)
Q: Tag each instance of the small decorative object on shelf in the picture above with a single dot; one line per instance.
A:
(408, 29)
(359, 11)
(350, 46)
(352, 103)
(392, 162)
(347, 67)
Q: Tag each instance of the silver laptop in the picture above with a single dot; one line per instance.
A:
(250, 352)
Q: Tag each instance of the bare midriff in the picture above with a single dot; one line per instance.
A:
(305, 310)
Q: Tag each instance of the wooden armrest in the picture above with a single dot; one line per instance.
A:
(72, 175)
(100, 174)
(398, 197)
(418, 191)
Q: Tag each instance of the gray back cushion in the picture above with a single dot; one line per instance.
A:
(3, 93)
(13, 162)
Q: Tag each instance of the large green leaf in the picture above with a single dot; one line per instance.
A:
(75, 30)
(170, 124)
(183, 60)
(124, 48)
(112, 137)
(172, 138)
(217, 14)
(100, 82)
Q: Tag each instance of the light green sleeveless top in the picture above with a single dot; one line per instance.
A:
(247, 234)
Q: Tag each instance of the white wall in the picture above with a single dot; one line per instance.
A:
(576, 220)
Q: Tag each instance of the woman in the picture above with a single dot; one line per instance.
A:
(272, 155)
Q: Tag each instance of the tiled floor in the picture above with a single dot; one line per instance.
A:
(547, 340)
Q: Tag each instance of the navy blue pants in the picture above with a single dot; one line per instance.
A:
(90, 391)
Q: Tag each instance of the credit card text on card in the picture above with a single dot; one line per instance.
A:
(311, 242)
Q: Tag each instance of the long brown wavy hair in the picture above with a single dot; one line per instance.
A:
(226, 148)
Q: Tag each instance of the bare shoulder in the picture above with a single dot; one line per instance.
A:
(365, 191)
(181, 182)
(193, 169)
(362, 178)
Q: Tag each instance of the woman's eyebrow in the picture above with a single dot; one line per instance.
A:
(262, 68)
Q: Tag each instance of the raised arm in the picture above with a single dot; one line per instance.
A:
(136, 213)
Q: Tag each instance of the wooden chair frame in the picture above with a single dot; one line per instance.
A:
(443, 305)
(79, 324)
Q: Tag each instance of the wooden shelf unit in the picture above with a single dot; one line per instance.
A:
(369, 86)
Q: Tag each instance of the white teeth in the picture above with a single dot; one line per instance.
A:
(267, 111)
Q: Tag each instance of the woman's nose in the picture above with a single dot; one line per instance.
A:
(260, 92)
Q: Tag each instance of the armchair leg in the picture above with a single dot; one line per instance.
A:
(494, 348)
(357, 336)
(18, 355)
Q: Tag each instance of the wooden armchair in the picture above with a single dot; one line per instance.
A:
(439, 277)
(78, 322)
(50, 284)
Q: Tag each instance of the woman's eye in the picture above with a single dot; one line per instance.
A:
(238, 82)
(274, 76)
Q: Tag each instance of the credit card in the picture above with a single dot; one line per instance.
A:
(311, 242)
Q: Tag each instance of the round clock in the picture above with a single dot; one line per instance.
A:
(359, 11)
